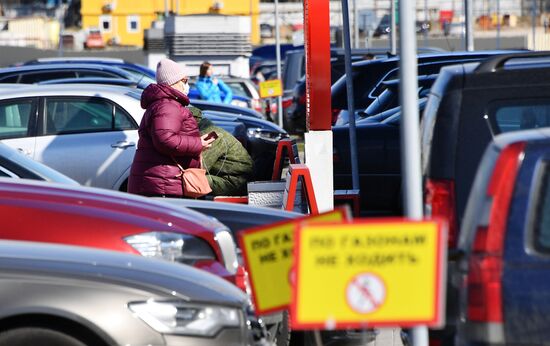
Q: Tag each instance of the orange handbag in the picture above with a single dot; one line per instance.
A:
(193, 181)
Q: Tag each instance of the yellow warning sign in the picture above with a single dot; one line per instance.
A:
(375, 273)
(268, 255)
(271, 88)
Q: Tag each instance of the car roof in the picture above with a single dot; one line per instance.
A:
(77, 58)
(442, 55)
(68, 66)
(90, 80)
(34, 90)
(175, 280)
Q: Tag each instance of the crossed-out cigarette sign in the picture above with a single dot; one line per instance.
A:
(369, 273)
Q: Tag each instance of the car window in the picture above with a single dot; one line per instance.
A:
(123, 120)
(14, 118)
(238, 89)
(101, 74)
(5, 173)
(514, 115)
(31, 78)
(76, 115)
(9, 79)
(542, 213)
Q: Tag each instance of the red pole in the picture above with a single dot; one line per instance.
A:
(317, 50)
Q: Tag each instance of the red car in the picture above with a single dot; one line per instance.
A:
(54, 213)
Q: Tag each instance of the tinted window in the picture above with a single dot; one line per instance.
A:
(517, 115)
(123, 121)
(78, 115)
(14, 118)
(31, 78)
(102, 74)
(10, 79)
(542, 215)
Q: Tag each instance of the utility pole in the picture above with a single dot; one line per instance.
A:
(278, 58)
(469, 14)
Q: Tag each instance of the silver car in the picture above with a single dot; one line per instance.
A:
(87, 132)
(71, 296)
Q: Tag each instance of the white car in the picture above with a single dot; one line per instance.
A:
(87, 132)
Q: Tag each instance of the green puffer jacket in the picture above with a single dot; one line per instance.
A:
(228, 164)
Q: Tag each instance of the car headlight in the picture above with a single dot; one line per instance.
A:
(239, 103)
(267, 135)
(186, 319)
(174, 247)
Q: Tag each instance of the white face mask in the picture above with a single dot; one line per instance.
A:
(186, 88)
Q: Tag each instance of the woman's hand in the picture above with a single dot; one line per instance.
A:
(206, 143)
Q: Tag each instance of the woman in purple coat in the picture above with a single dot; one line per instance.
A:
(168, 134)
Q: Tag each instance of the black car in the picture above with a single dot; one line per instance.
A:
(262, 138)
(378, 147)
(467, 106)
(294, 80)
(367, 74)
(222, 107)
(384, 26)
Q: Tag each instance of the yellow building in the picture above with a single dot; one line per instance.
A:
(124, 20)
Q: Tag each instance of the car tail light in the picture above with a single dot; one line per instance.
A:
(485, 265)
(256, 104)
(302, 99)
(242, 281)
(440, 199)
(335, 112)
(287, 101)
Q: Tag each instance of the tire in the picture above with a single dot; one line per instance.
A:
(283, 331)
(29, 336)
(124, 186)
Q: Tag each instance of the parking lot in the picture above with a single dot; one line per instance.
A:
(164, 185)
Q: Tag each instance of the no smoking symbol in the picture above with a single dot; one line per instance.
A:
(365, 293)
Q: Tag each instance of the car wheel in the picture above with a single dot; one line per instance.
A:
(37, 336)
(283, 331)
(124, 186)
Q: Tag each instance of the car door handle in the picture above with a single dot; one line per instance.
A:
(24, 151)
(123, 145)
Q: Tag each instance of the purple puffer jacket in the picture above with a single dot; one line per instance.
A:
(167, 131)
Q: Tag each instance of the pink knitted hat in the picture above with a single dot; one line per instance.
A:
(169, 72)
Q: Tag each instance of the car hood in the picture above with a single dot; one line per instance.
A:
(249, 122)
(236, 216)
(177, 281)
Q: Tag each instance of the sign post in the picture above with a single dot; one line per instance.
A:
(369, 274)
(318, 139)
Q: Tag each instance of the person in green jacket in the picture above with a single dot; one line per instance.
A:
(228, 165)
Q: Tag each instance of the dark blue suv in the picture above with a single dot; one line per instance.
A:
(504, 270)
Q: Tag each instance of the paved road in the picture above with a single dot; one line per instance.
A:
(387, 337)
